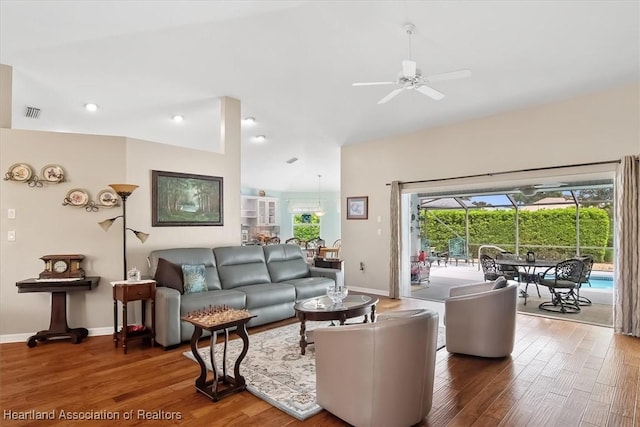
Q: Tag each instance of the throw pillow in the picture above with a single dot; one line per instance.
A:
(194, 278)
(169, 274)
(500, 283)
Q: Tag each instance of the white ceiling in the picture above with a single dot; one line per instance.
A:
(291, 63)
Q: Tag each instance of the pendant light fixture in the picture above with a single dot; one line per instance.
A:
(319, 211)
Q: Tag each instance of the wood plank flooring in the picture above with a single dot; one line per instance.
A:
(559, 374)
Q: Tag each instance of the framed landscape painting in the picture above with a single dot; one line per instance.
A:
(358, 207)
(181, 199)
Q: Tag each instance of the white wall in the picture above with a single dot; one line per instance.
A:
(598, 127)
(43, 226)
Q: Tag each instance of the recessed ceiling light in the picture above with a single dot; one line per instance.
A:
(249, 120)
(260, 138)
(178, 118)
(91, 107)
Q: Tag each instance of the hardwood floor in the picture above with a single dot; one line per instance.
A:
(560, 373)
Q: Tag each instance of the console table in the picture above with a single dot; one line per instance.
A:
(58, 327)
(219, 386)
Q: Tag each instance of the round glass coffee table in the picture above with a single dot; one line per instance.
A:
(323, 309)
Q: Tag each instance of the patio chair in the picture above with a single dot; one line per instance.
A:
(458, 250)
(566, 278)
(491, 270)
(507, 269)
(587, 262)
(420, 270)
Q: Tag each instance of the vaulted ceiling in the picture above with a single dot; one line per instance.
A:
(292, 65)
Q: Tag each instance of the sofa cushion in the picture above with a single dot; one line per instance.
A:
(241, 266)
(285, 262)
(202, 300)
(194, 279)
(268, 294)
(169, 274)
(181, 256)
(311, 287)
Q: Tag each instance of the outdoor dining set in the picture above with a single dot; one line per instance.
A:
(563, 278)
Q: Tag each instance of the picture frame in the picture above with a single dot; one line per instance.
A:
(183, 199)
(358, 207)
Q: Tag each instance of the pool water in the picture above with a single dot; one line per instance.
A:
(600, 281)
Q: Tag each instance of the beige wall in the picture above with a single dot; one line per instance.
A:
(43, 226)
(599, 127)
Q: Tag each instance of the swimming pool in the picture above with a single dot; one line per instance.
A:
(600, 280)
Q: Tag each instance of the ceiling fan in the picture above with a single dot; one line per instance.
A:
(411, 77)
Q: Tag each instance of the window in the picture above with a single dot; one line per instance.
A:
(306, 226)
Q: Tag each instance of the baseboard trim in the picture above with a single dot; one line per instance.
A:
(9, 338)
(368, 291)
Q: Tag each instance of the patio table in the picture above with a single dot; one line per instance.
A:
(529, 270)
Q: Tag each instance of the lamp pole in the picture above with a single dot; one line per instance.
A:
(124, 191)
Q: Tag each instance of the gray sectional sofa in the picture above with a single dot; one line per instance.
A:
(266, 280)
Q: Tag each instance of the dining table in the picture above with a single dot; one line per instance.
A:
(528, 275)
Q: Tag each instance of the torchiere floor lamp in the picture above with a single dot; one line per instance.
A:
(124, 191)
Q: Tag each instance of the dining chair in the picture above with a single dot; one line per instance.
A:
(272, 241)
(562, 281)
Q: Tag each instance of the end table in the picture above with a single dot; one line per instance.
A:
(127, 291)
(225, 384)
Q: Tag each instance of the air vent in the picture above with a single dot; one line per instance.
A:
(292, 160)
(32, 113)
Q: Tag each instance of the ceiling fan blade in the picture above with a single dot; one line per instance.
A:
(430, 92)
(458, 74)
(390, 96)
(409, 68)
(372, 83)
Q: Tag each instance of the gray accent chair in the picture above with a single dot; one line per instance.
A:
(378, 374)
(480, 318)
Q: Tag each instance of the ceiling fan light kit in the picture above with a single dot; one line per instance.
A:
(410, 77)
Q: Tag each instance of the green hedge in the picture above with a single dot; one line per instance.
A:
(545, 227)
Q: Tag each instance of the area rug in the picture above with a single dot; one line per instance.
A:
(275, 370)
(595, 314)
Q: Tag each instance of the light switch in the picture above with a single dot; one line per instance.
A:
(11, 236)
(11, 213)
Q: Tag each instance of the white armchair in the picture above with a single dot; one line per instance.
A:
(378, 374)
(480, 320)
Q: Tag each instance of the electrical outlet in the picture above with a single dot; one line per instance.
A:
(11, 213)
(361, 266)
(11, 236)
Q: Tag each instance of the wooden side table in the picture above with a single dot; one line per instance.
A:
(126, 292)
(219, 386)
(58, 327)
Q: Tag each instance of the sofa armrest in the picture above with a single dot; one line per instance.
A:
(167, 323)
(331, 273)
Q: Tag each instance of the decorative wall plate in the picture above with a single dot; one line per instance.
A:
(108, 198)
(20, 172)
(77, 197)
(53, 173)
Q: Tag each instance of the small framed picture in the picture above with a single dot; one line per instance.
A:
(358, 207)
